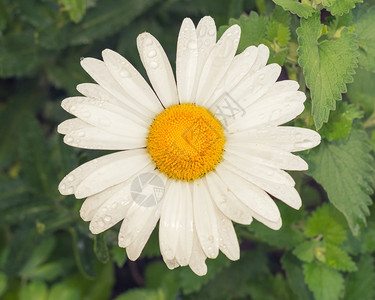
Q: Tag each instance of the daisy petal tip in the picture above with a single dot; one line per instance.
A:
(200, 269)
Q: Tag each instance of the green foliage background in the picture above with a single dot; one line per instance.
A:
(324, 251)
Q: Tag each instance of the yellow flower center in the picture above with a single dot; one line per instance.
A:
(186, 141)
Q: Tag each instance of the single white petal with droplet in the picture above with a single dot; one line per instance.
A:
(186, 61)
(158, 69)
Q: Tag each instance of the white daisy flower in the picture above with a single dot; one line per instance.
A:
(210, 148)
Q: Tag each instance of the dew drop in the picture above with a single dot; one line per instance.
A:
(154, 64)
(107, 218)
(81, 134)
(70, 178)
(69, 139)
(101, 223)
(148, 42)
(151, 54)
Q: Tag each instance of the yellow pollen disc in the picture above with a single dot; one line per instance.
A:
(186, 141)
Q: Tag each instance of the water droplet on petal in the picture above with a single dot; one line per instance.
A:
(69, 139)
(154, 64)
(70, 178)
(107, 218)
(101, 223)
(151, 54)
(148, 42)
(81, 134)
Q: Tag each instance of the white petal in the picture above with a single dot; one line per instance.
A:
(186, 225)
(94, 138)
(255, 85)
(134, 249)
(273, 225)
(158, 68)
(206, 40)
(71, 125)
(255, 198)
(106, 116)
(283, 137)
(186, 61)
(95, 91)
(226, 201)
(171, 264)
(139, 222)
(266, 155)
(239, 67)
(260, 171)
(113, 210)
(198, 258)
(101, 173)
(205, 219)
(91, 205)
(169, 220)
(131, 81)
(217, 63)
(261, 59)
(285, 193)
(271, 110)
(100, 73)
(235, 106)
(228, 241)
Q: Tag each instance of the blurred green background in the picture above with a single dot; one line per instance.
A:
(46, 250)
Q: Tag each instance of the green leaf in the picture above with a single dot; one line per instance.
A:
(83, 253)
(339, 259)
(287, 236)
(18, 54)
(190, 282)
(301, 9)
(38, 256)
(360, 284)
(253, 29)
(323, 281)
(345, 170)
(327, 222)
(35, 160)
(76, 9)
(3, 283)
(63, 291)
(107, 18)
(141, 294)
(327, 65)
(118, 256)
(278, 27)
(294, 275)
(340, 122)
(307, 250)
(35, 290)
(362, 91)
(364, 24)
(340, 7)
(101, 248)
